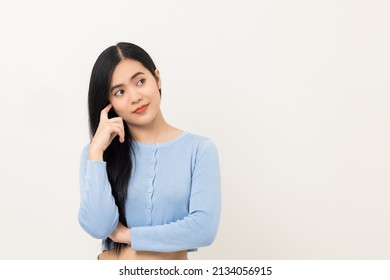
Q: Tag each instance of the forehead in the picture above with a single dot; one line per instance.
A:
(125, 69)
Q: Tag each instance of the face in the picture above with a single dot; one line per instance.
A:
(134, 93)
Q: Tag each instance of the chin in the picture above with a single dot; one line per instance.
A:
(140, 123)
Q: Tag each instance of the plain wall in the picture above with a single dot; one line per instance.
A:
(295, 94)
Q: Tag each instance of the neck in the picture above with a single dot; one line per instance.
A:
(157, 131)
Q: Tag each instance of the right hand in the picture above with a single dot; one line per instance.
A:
(107, 130)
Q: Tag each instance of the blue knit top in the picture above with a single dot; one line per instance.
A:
(173, 200)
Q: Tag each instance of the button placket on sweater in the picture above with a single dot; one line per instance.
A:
(150, 186)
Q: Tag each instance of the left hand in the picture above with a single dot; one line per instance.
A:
(121, 234)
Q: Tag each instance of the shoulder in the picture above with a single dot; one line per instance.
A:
(189, 144)
(204, 155)
(198, 141)
(200, 144)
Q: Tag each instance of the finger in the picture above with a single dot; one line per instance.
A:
(118, 131)
(114, 125)
(118, 123)
(112, 136)
(122, 136)
(116, 120)
(104, 112)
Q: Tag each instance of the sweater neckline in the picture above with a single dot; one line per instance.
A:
(162, 144)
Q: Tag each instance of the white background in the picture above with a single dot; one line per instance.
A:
(295, 94)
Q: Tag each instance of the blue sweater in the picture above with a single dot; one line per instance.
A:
(173, 201)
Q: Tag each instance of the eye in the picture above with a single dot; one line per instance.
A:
(141, 82)
(119, 92)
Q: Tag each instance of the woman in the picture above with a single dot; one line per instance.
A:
(148, 189)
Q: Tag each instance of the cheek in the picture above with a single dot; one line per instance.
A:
(152, 93)
(118, 107)
(150, 89)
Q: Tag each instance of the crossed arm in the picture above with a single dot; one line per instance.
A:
(98, 214)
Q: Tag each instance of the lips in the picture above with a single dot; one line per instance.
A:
(141, 109)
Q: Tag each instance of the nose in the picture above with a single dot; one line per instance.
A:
(134, 97)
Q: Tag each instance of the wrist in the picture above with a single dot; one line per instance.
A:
(129, 236)
(95, 154)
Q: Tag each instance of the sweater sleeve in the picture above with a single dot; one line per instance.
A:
(98, 213)
(199, 227)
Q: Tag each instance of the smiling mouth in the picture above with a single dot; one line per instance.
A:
(141, 109)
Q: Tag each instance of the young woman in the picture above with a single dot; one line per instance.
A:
(148, 189)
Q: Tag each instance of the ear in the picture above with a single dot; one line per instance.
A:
(158, 78)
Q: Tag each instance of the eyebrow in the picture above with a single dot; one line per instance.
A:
(131, 78)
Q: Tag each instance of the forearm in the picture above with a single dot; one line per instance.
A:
(198, 229)
(98, 213)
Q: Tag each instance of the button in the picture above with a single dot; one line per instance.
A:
(154, 148)
(149, 206)
(151, 175)
(150, 190)
(153, 161)
(148, 222)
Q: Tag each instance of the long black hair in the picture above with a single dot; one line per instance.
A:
(117, 155)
